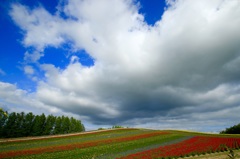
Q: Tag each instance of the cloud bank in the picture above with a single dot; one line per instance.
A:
(181, 73)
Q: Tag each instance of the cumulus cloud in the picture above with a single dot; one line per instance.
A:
(14, 99)
(182, 70)
(17, 99)
(41, 28)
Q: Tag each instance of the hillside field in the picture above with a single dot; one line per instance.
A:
(127, 143)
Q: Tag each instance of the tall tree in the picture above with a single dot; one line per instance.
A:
(72, 125)
(10, 127)
(58, 126)
(28, 124)
(83, 127)
(39, 124)
(50, 123)
(19, 123)
(232, 130)
(3, 119)
(79, 126)
(65, 125)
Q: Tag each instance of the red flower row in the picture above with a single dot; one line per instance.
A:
(195, 145)
(78, 145)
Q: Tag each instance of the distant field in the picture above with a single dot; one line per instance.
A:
(122, 143)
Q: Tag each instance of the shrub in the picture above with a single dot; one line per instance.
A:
(117, 127)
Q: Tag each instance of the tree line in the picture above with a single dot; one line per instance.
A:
(232, 130)
(23, 125)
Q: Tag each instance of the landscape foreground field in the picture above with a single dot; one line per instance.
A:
(123, 144)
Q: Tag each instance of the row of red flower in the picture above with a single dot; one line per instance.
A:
(195, 145)
(78, 145)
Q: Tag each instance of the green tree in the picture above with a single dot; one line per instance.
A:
(58, 126)
(65, 125)
(83, 127)
(232, 130)
(19, 131)
(116, 127)
(50, 122)
(10, 127)
(79, 126)
(72, 125)
(3, 119)
(3, 113)
(21, 124)
(28, 124)
(39, 125)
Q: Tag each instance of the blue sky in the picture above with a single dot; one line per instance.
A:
(131, 63)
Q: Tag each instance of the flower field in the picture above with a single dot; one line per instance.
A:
(119, 143)
(194, 146)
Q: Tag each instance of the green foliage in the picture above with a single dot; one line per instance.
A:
(39, 124)
(73, 125)
(79, 126)
(19, 122)
(3, 119)
(232, 130)
(58, 126)
(10, 126)
(28, 124)
(23, 125)
(117, 127)
(49, 125)
(3, 113)
(101, 129)
(65, 125)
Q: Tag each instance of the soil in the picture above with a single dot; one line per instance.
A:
(220, 155)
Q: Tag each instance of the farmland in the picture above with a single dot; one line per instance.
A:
(120, 143)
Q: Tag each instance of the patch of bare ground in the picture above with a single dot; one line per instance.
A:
(217, 155)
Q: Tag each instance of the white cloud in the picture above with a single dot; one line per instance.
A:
(28, 70)
(32, 57)
(13, 99)
(17, 99)
(181, 68)
(41, 28)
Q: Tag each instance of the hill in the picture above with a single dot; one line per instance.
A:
(121, 143)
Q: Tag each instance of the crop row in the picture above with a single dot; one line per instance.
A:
(109, 151)
(77, 145)
(195, 145)
(93, 136)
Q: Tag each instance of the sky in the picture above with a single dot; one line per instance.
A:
(158, 64)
